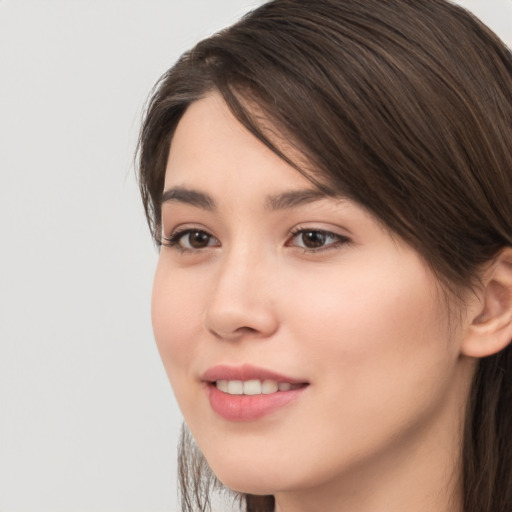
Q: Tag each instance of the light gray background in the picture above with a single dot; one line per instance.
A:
(88, 422)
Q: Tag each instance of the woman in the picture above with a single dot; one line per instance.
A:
(330, 185)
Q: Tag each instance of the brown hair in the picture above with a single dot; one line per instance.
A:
(405, 106)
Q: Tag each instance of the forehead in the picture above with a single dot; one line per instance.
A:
(211, 147)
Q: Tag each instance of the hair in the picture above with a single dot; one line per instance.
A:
(404, 106)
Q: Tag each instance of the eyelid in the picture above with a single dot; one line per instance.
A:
(341, 240)
(173, 239)
(178, 233)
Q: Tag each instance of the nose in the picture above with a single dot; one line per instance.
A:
(242, 299)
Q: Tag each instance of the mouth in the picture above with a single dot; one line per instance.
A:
(247, 393)
(254, 386)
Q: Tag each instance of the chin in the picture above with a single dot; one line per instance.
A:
(257, 486)
(250, 479)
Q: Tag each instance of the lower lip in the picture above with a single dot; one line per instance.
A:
(249, 407)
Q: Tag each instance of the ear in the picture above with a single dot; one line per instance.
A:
(491, 326)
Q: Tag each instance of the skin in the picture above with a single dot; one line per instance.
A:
(363, 321)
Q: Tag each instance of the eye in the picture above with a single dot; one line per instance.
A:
(316, 239)
(190, 240)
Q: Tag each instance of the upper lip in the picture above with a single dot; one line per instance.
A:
(245, 372)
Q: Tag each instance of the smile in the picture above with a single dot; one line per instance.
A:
(254, 386)
(248, 393)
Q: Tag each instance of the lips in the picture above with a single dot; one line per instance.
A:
(247, 393)
(245, 372)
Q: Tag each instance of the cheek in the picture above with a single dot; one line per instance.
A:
(375, 337)
(176, 321)
(363, 311)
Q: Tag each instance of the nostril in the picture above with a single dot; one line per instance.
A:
(235, 334)
(242, 330)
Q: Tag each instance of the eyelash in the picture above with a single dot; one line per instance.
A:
(340, 240)
(174, 239)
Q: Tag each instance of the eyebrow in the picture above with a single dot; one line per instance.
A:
(293, 199)
(282, 201)
(188, 196)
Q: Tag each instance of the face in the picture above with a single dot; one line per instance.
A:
(303, 342)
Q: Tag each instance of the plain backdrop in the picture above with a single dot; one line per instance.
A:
(88, 422)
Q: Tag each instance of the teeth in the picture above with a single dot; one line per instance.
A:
(235, 387)
(253, 387)
(269, 386)
(222, 385)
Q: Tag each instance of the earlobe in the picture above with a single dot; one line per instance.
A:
(491, 327)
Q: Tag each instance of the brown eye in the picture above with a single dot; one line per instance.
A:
(313, 239)
(191, 240)
(316, 240)
(196, 239)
